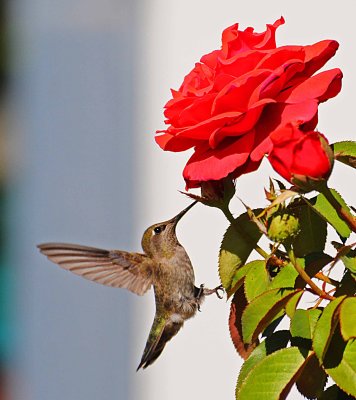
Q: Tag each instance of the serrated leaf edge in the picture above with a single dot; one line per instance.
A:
(295, 376)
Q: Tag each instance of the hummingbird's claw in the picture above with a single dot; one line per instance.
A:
(220, 296)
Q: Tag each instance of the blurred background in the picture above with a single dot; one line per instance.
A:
(82, 86)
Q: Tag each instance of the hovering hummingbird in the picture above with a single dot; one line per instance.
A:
(165, 265)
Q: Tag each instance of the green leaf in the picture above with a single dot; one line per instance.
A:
(348, 318)
(303, 323)
(238, 305)
(313, 230)
(349, 261)
(312, 379)
(322, 206)
(325, 327)
(347, 255)
(276, 341)
(237, 245)
(285, 278)
(292, 304)
(262, 310)
(238, 279)
(302, 326)
(345, 152)
(257, 280)
(340, 363)
(272, 378)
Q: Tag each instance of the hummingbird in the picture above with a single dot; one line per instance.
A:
(164, 264)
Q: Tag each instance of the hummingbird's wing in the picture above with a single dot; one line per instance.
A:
(115, 268)
(163, 329)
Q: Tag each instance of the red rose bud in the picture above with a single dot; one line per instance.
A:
(237, 96)
(303, 158)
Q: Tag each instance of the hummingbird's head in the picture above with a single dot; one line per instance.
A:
(161, 239)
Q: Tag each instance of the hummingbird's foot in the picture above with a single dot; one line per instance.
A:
(208, 292)
(202, 291)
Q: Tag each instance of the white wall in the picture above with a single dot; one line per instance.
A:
(201, 361)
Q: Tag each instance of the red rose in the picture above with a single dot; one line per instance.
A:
(236, 97)
(300, 157)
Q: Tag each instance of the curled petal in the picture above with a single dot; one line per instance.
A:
(321, 87)
(207, 164)
(171, 143)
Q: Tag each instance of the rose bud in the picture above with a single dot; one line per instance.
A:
(303, 158)
(215, 193)
(283, 227)
(218, 193)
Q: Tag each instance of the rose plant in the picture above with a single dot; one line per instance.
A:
(247, 100)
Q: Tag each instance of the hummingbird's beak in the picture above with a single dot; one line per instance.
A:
(183, 212)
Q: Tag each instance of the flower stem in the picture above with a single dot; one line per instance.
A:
(237, 228)
(306, 278)
(343, 213)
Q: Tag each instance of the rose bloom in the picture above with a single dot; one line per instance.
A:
(236, 97)
(301, 157)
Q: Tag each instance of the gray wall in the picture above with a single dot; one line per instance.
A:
(71, 181)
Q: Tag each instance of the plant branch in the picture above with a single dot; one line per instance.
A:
(306, 278)
(326, 279)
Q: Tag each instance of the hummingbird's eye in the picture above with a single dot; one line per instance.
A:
(158, 229)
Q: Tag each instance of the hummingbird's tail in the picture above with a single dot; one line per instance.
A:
(163, 329)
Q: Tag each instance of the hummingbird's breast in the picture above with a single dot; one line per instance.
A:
(174, 286)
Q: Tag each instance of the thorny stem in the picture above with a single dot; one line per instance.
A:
(326, 279)
(317, 304)
(307, 278)
(341, 212)
(232, 220)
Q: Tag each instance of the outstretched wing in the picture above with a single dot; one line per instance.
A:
(115, 268)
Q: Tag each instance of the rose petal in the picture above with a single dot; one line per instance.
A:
(172, 143)
(279, 78)
(297, 153)
(281, 55)
(204, 129)
(240, 64)
(236, 95)
(248, 167)
(276, 116)
(322, 87)
(235, 41)
(207, 164)
(241, 125)
(310, 158)
(199, 110)
(317, 54)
